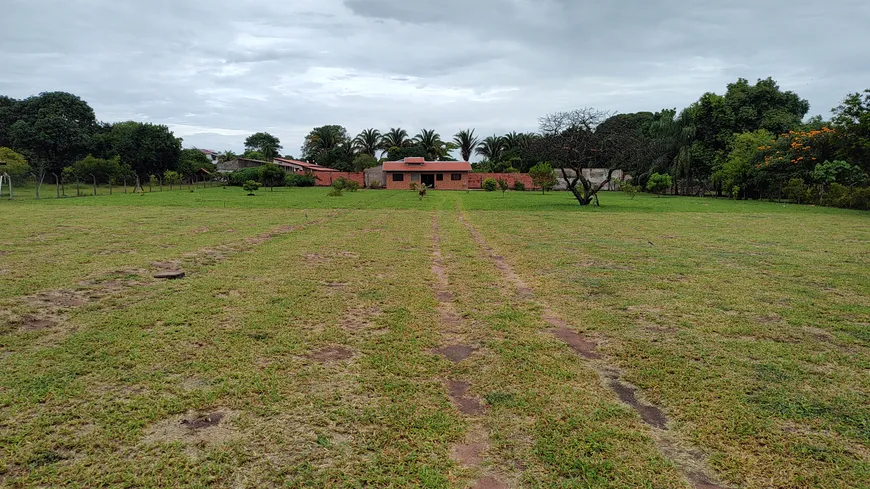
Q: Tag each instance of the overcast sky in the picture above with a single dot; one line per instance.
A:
(216, 71)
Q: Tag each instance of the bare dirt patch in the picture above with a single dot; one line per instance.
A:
(331, 354)
(469, 454)
(585, 348)
(651, 415)
(444, 296)
(456, 353)
(458, 391)
(488, 482)
(195, 429)
(59, 299)
(36, 324)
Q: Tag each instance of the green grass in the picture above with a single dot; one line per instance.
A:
(747, 323)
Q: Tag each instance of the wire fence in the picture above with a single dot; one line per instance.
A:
(21, 189)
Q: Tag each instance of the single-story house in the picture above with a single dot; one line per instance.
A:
(239, 164)
(296, 166)
(448, 175)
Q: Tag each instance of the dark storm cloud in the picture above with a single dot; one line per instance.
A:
(218, 70)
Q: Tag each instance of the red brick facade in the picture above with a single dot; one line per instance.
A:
(475, 180)
(325, 178)
(447, 181)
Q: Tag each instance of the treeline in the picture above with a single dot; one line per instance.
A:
(57, 133)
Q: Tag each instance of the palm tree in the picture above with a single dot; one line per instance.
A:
(491, 148)
(431, 142)
(675, 135)
(395, 138)
(368, 142)
(467, 142)
(324, 139)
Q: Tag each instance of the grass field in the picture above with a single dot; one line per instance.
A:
(465, 340)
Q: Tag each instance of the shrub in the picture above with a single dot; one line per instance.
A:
(239, 177)
(335, 192)
(503, 186)
(342, 183)
(272, 175)
(490, 185)
(299, 180)
(659, 184)
(630, 189)
(251, 186)
(542, 176)
(375, 184)
(798, 192)
(837, 196)
(519, 186)
(735, 192)
(859, 198)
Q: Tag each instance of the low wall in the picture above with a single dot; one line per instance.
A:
(325, 178)
(475, 180)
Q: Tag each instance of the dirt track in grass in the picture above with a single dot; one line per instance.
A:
(467, 340)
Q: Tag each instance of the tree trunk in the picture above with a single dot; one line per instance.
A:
(56, 184)
(95, 184)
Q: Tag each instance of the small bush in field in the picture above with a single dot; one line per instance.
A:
(659, 184)
(342, 183)
(503, 186)
(629, 189)
(375, 184)
(251, 186)
(490, 185)
(519, 186)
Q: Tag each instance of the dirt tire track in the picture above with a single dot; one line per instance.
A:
(691, 463)
(470, 453)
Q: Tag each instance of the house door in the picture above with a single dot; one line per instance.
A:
(428, 180)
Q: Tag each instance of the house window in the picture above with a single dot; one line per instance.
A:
(456, 177)
(398, 177)
(439, 177)
(415, 177)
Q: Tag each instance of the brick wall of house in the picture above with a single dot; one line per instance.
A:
(325, 178)
(475, 180)
(446, 184)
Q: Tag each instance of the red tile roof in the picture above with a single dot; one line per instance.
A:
(419, 164)
(305, 165)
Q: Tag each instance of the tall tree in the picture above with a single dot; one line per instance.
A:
(322, 140)
(573, 143)
(491, 148)
(368, 142)
(466, 142)
(265, 143)
(396, 137)
(852, 120)
(53, 129)
(148, 149)
(191, 161)
(431, 143)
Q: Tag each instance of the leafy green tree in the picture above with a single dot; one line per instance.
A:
(763, 106)
(272, 175)
(839, 171)
(251, 186)
(396, 137)
(542, 176)
(13, 163)
(172, 178)
(265, 143)
(53, 129)
(363, 161)
(325, 139)
(101, 169)
(740, 167)
(146, 148)
(466, 142)
(228, 156)
(254, 155)
(659, 184)
(191, 161)
(368, 142)
(629, 189)
(503, 186)
(852, 120)
(491, 148)
(397, 154)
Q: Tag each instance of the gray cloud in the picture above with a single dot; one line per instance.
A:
(217, 70)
